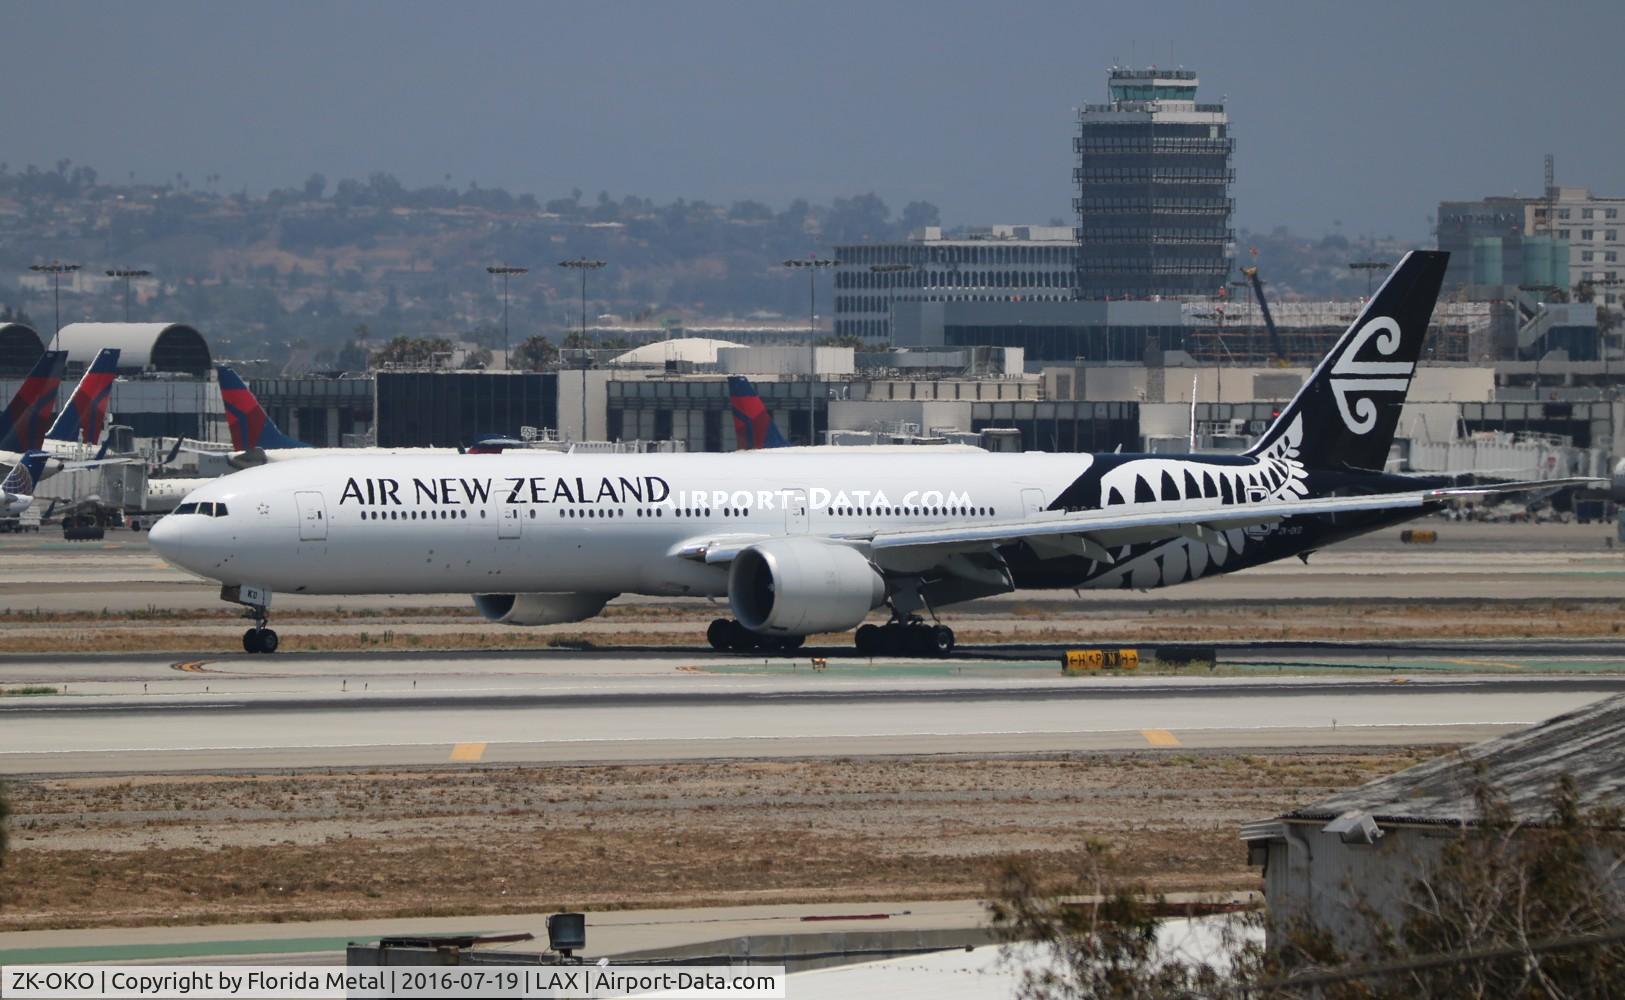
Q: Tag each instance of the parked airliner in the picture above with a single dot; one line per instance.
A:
(804, 541)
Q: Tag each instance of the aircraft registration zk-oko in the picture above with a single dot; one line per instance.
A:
(804, 541)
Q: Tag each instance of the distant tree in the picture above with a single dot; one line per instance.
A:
(844, 340)
(750, 211)
(351, 358)
(853, 219)
(918, 215)
(417, 351)
(534, 354)
(575, 340)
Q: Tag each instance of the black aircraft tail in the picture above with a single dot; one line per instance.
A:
(1344, 416)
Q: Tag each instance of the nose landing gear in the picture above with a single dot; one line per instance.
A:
(256, 602)
(728, 636)
(259, 639)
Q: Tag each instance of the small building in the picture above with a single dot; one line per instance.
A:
(1370, 844)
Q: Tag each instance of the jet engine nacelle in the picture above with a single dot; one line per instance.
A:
(540, 609)
(797, 586)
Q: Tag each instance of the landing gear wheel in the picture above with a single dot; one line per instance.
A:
(718, 634)
(868, 639)
(941, 640)
(742, 639)
(259, 640)
(785, 643)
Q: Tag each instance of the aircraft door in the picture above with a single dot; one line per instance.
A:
(312, 516)
(509, 522)
(795, 512)
(1032, 502)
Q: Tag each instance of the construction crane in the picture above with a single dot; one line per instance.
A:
(1278, 358)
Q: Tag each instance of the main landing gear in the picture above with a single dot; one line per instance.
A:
(910, 637)
(728, 636)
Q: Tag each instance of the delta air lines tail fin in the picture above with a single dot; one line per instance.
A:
(23, 423)
(86, 413)
(753, 425)
(1345, 414)
(251, 426)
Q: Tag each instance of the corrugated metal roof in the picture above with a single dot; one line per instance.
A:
(1587, 744)
(176, 346)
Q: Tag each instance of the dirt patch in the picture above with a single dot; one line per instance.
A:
(310, 845)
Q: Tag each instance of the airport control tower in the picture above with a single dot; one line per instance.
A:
(1153, 176)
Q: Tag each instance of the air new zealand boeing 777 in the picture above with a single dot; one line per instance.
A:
(804, 541)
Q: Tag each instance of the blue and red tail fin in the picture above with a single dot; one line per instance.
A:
(251, 426)
(24, 477)
(23, 424)
(753, 425)
(86, 413)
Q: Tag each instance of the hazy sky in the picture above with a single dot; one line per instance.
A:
(1365, 112)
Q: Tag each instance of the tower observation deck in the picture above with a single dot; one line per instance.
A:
(1153, 174)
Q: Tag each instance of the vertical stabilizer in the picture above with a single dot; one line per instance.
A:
(753, 425)
(251, 426)
(85, 415)
(1346, 413)
(23, 424)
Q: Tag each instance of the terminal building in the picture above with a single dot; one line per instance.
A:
(996, 264)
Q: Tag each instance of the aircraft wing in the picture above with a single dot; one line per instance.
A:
(1093, 532)
(1200, 519)
(93, 463)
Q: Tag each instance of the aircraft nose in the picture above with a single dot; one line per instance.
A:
(167, 538)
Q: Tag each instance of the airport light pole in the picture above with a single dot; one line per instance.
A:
(507, 271)
(813, 265)
(127, 273)
(56, 269)
(1369, 267)
(583, 265)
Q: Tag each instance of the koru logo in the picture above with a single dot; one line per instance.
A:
(1362, 378)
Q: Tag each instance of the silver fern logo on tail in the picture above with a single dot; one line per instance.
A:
(1359, 379)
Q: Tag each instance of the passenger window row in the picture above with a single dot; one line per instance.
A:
(914, 511)
(413, 515)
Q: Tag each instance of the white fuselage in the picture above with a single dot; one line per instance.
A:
(534, 523)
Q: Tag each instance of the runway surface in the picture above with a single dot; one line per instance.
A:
(252, 713)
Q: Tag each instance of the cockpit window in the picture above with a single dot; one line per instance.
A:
(186, 508)
(219, 510)
(206, 509)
